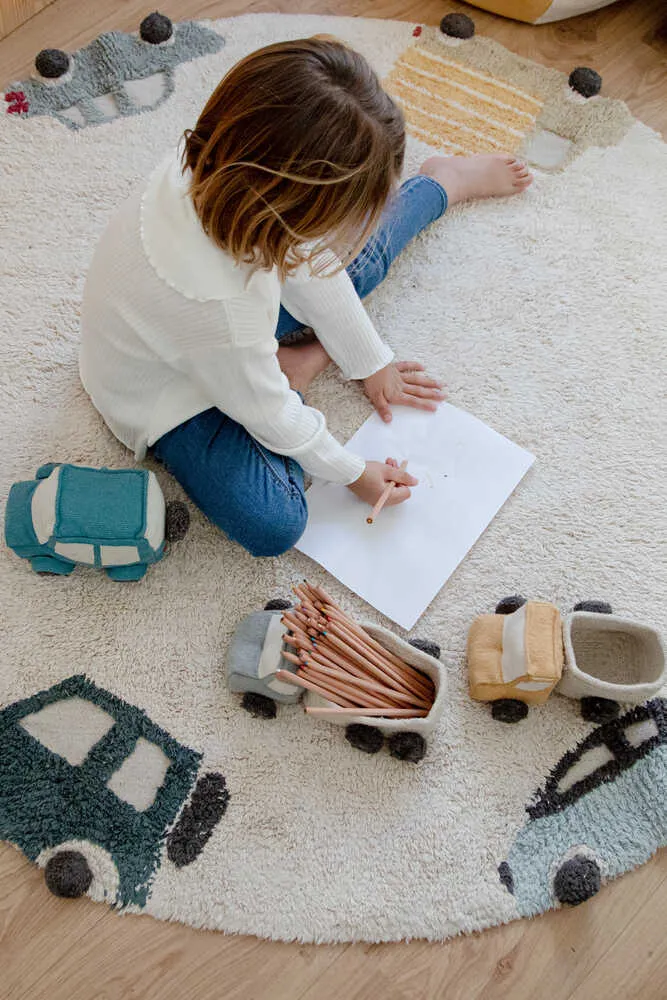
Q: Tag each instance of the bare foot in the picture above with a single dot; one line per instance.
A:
(303, 364)
(466, 177)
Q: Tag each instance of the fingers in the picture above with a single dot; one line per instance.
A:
(416, 378)
(409, 366)
(392, 462)
(383, 408)
(417, 402)
(423, 392)
(399, 476)
(397, 495)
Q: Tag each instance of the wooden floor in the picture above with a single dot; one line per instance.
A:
(614, 948)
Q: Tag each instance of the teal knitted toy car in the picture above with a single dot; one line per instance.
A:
(111, 519)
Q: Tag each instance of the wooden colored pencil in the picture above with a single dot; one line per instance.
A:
(324, 655)
(401, 665)
(386, 493)
(298, 681)
(340, 661)
(356, 682)
(330, 658)
(392, 676)
(321, 675)
(372, 667)
(390, 713)
(403, 676)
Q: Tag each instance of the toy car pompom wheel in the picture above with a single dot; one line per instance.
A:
(509, 710)
(509, 605)
(368, 739)
(596, 607)
(577, 880)
(75, 868)
(599, 710)
(67, 874)
(177, 521)
(259, 705)
(407, 746)
(426, 646)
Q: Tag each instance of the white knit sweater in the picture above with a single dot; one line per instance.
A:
(172, 326)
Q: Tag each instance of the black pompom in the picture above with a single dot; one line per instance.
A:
(259, 705)
(577, 880)
(426, 646)
(278, 604)
(457, 26)
(67, 874)
(366, 738)
(156, 28)
(509, 710)
(52, 63)
(597, 607)
(407, 746)
(599, 710)
(509, 605)
(177, 521)
(585, 81)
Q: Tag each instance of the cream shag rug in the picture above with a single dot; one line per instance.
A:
(545, 315)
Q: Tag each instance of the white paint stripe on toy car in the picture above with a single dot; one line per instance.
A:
(43, 507)
(119, 555)
(271, 657)
(513, 661)
(155, 513)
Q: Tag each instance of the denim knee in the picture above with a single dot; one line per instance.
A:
(268, 532)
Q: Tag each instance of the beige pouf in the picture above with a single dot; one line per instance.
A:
(540, 11)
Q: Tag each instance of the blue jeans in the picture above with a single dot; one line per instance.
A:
(255, 496)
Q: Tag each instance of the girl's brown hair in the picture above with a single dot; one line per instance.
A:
(298, 145)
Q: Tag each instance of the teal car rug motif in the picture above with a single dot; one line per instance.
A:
(602, 811)
(92, 791)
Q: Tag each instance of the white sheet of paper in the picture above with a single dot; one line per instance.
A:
(466, 472)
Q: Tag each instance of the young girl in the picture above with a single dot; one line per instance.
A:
(241, 239)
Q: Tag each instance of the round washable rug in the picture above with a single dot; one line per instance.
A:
(545, 316)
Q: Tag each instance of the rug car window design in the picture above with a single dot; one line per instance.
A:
(91, 789)
(458, 108)
(117, 75)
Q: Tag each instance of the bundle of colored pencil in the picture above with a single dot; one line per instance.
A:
(339, 660)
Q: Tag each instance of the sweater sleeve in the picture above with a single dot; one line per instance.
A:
(330, 304)
(246, 382)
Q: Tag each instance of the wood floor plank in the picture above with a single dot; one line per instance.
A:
(515, 962)
(636, 966)
(53, 949)
(58, 950)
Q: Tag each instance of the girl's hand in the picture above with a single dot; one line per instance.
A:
(372, 483)
(403, 383)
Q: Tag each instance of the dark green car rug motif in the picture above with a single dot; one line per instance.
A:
(601, 812)
(90, 789)
(117, 75)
